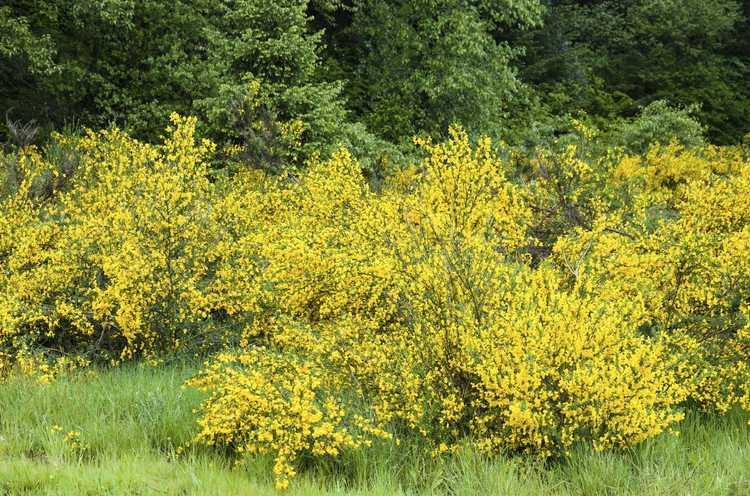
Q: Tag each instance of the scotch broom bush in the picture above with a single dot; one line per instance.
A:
(578, 299)
(681, 243)
(264, 402)
(421, 301)
(123, 262)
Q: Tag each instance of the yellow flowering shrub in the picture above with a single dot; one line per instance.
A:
(32, 269)
(270, 402)
(559, 366)
(681, 245)
(421, 302)
(131, 258)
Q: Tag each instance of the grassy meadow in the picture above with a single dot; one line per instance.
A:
(132, 421)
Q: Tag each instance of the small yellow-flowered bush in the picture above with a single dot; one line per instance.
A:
(265, 401)
(130, 255)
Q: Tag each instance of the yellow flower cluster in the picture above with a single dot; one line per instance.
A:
(72, 440)
(527, 304)
(265, 402)
(131, 256)
(681, 242)
(40, 367)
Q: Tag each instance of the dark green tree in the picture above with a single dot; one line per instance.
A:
(247, 68)
(611, 58)
(417, 66)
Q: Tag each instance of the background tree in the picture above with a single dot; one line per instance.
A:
(418, 66)
(278, 82)
(132, 63)
(610, 58)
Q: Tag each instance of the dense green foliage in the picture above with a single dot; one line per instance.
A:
(287, 79)
(610, 58)
(247, 67)
(420, 66)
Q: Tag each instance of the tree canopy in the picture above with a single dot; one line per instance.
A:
(291, 78)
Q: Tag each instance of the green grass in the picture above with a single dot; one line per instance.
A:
(132, 420)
